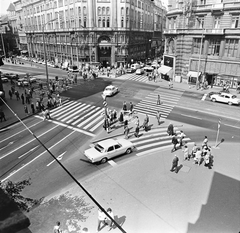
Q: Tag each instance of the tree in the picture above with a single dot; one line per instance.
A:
(13, 190)
(70, 210)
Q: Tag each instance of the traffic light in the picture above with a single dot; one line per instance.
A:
(1, 61)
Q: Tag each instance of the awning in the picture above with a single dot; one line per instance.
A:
(193, 74)
(164, 69)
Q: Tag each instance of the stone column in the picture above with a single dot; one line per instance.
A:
(112, 55)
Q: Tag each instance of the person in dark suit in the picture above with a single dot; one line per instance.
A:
(175, 164)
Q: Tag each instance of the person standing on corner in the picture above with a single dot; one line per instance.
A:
(175, 164)
(56, 228)
(124, 106)
(101, 218)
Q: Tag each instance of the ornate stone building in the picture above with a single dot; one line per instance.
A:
(107, 31)
(204, 36)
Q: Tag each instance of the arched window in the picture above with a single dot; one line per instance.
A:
(122, 22)
(103, 22)
(79, 10)
(99, 22)
(108, 22)
(127, 23)
(127, 11)
(108, 11)
(103, 10)
(85, 22)
(99, 10)
(122, 11)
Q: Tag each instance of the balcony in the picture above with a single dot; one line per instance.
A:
(215, 31)
(170, 31)
(217, 7)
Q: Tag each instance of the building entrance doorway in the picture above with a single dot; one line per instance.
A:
(104, 51)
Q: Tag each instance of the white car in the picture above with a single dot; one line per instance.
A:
(22, 82)
(110, 90)
(107, 149)
(140, 71)
(225, 98)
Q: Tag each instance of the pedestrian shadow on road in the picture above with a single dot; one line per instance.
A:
(178, 168)
(120, 221)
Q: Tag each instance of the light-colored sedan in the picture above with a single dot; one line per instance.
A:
(107, 149)
(22, 82)
(140, 71)
(110, 90)
(225, 98)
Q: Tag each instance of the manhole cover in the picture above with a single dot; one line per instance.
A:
(185, 169)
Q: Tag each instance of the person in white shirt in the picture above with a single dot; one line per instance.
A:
(57, 228)
(101, 218)
(107, 220)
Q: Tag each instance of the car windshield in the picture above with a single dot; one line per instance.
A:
(108, 88)
(99, 148)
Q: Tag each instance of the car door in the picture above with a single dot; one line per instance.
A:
(226, 99)
(111, 152)
(118, 149)
(221, 98)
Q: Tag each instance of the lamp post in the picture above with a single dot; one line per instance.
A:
(44, 47)
(199, 58)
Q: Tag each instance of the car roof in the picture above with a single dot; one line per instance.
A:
(107, 142)
(110, 86)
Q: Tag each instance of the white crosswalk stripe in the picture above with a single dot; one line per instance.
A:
(168, 101)
(154, 140)
(136, 77)
(79, 115)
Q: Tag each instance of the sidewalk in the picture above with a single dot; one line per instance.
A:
(161, 201)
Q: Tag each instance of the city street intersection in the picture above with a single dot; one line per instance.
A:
(144, 195)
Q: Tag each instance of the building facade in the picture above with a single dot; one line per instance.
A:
(204, 36)
(106, 31)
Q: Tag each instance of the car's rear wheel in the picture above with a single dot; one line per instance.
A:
(230, 103)
(213, 100)
(128, 151)
(104, 160)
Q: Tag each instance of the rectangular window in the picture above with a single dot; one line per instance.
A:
(202, 2)
(235, 21)
(196, 46)
(60, 3)
(214, 47)
(200, 22)
(217, 21)
(231, 47)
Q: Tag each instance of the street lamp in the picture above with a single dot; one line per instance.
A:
(44, 47)
(199, 58)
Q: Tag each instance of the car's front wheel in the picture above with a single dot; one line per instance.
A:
(104, 160)
(213, 100)
(230, 103)
(128, 151)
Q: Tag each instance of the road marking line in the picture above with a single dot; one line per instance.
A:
(191, 116)
(10, 143)
(96, 126)
(70, 127)
(154, 150)
(19, 132)
(36, 157)
(112, 163)
(28, 152)
(204, 97)
(58, 158)
(84, 116)
(232, 126)
(27, 143)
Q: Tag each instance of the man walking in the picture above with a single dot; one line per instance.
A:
(158, 116)
(175, 164)
(158, 100)
(2, 115)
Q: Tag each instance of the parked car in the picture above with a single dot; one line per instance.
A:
(130, 70)
(4, 79)
(225, 98)
(22, 82)
(10, 76)
(140, 71)
(32, 80)
(73, 69)
(107, 149)
(110, 90)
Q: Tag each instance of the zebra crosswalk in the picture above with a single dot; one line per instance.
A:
(78, 114)
(136, 77)
(168, 100)
(155, 140)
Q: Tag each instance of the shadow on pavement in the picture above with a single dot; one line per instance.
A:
(222, 211)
